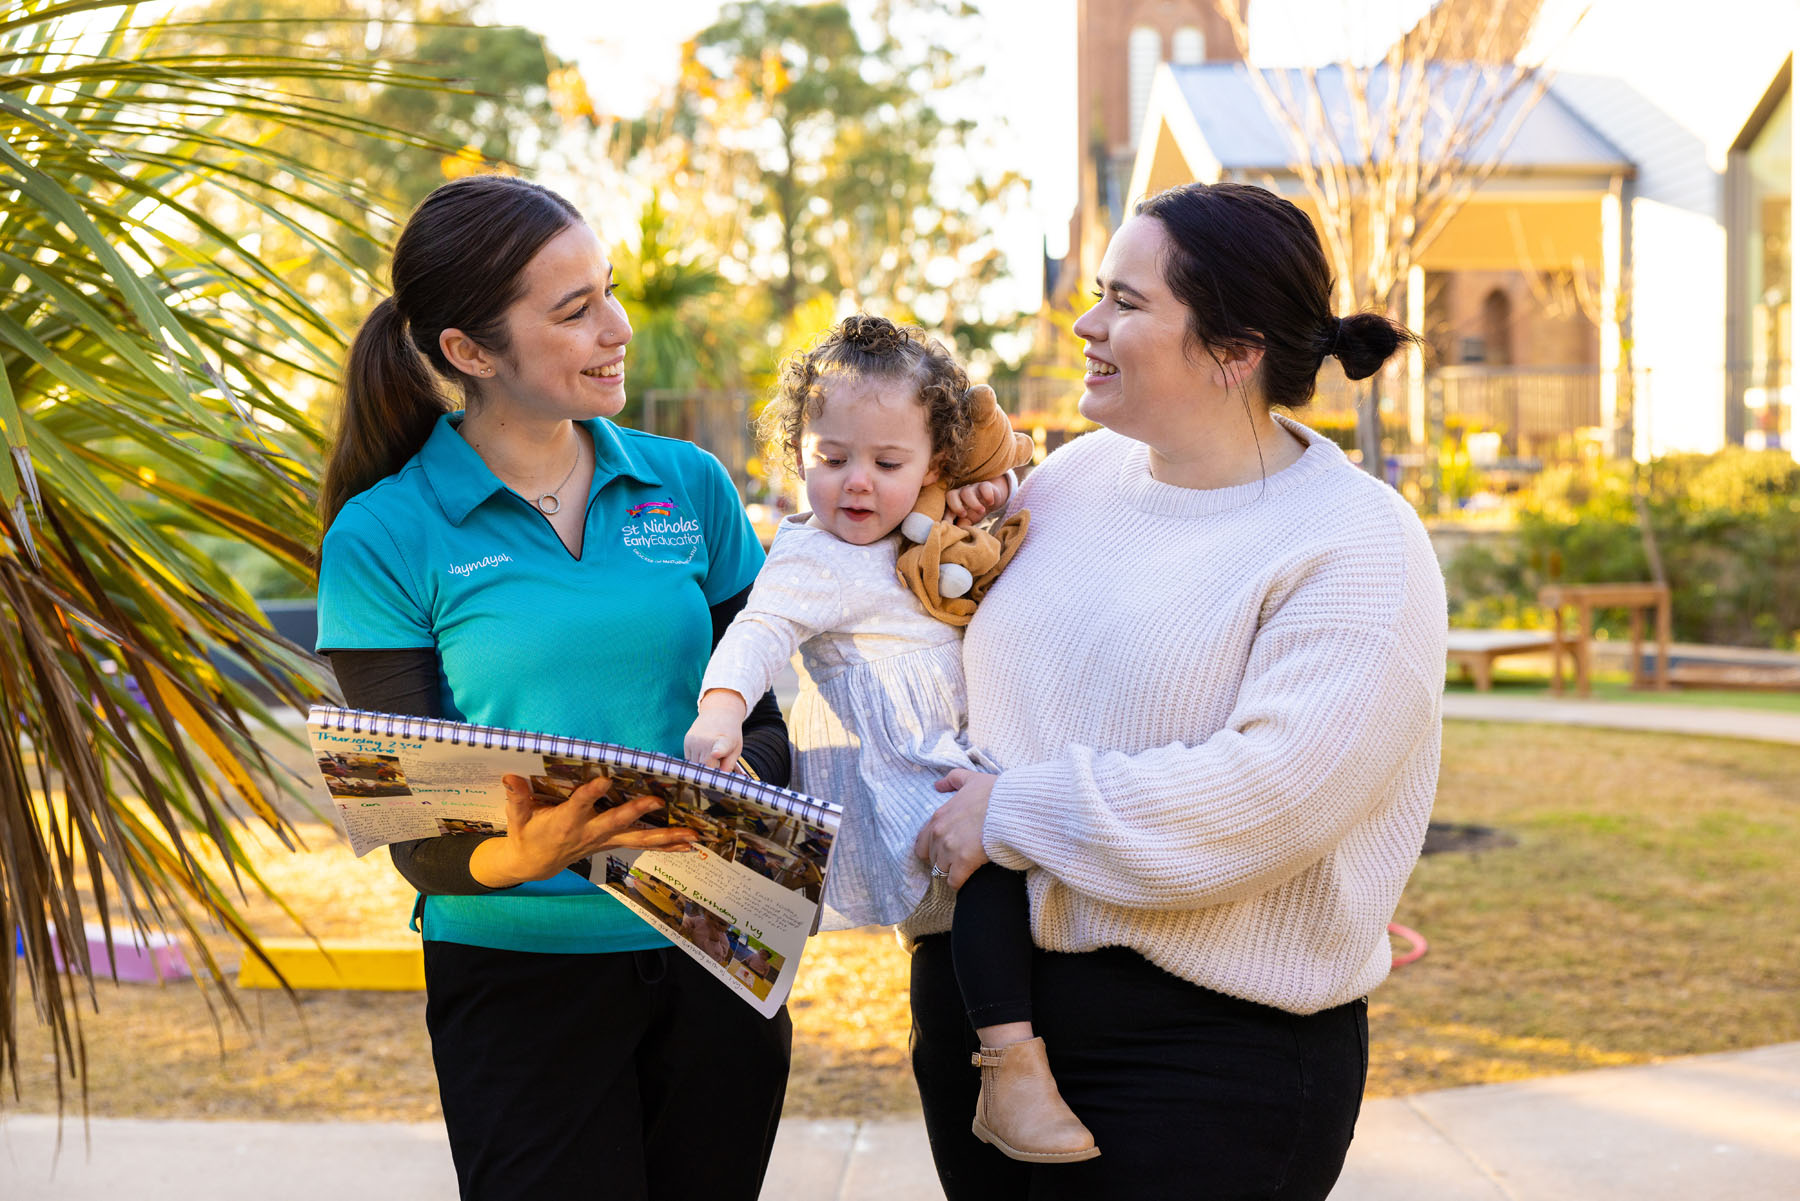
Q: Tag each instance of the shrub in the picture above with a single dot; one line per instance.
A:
(1727, 526)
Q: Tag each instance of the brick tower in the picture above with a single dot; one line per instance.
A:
(1119, 44)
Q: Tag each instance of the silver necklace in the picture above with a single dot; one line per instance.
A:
(549, 504)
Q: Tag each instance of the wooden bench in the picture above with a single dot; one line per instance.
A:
(1475, 650)
(1637, 599)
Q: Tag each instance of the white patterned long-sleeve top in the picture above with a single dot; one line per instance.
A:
(880, 714)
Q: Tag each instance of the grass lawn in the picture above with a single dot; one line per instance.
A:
(1649, 907)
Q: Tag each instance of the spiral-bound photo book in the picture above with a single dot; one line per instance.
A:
(741, 903)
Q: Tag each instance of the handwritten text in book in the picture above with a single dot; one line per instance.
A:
(360, 742)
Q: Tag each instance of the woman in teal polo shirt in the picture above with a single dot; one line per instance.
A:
(527, 563)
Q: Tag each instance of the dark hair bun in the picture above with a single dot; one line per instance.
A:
(873, 335)
(1365, 341)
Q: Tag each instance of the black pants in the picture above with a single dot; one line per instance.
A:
(626, 1076)
(1189, 1093)
(990, 944)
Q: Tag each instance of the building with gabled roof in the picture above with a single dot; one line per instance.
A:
(1633, 241)
(1552, 210)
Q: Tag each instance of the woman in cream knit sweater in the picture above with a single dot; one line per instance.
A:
(1211, 679)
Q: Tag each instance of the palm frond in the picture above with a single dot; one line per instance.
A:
(147, 354)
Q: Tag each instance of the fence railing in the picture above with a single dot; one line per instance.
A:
(1533, 415)
(718, 421)
(1538, 413)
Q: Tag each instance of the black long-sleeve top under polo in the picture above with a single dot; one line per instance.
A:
(406, 682)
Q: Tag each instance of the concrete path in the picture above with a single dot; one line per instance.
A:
(1759, 724)
(1713, 1127)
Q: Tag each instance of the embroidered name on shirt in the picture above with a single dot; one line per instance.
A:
(478, 564)
(656, 532)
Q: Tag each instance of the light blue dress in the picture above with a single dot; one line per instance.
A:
(881, 711)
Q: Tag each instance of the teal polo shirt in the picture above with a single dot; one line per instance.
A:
(609, 645)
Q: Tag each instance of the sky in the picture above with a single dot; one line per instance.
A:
(1025, 98)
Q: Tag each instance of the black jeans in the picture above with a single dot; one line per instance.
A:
(632, 1075)
(1189, 1093)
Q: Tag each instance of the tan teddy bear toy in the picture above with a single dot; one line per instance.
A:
(950, 568)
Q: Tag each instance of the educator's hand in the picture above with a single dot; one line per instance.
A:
(543, 838)
(951, 839)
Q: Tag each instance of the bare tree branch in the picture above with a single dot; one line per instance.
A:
(1388, 153)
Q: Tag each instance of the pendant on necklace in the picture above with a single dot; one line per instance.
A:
(549, 504)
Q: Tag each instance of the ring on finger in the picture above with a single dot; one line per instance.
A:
(939, 872)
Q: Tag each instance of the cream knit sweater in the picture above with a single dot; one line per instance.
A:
(1217, 715)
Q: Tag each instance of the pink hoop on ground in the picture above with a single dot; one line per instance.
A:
(1417, 948)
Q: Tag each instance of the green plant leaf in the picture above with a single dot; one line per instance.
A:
(149, 357)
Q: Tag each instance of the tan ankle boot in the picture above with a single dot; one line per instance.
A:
(1020, 1112)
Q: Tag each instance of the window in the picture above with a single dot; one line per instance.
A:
(1770, 374)
(1759, 191)
(1496, 327)
(1144, 53)
(1189, 46)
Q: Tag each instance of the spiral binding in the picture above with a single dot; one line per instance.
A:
(458, 733)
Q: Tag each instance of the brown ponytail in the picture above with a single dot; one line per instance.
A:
(391, 401)
(458, 264)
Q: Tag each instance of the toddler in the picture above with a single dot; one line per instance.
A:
(873, 413)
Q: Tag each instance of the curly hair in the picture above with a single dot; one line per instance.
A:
(866, 347)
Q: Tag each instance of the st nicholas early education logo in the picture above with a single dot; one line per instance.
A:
(657, 532)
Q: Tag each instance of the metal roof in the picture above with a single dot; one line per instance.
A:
(1243, 136)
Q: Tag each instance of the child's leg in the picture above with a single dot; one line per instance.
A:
(1019, 1110)
(990, 947)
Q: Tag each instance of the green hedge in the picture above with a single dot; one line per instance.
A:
(1727, 525)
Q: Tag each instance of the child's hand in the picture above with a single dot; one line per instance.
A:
(717, 736)
(972, 502)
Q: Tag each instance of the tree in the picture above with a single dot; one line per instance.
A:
(492, 98)
(835, 141)
(138, 341)
(766, 87)
(684, 332)
(1388, 152)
